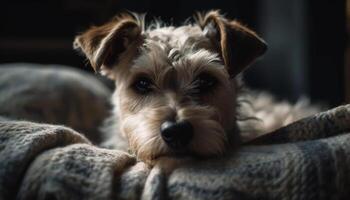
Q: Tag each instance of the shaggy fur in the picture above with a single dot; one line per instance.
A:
(260, 113)
(173, 59)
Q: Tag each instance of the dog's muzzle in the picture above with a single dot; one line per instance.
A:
(177, 135)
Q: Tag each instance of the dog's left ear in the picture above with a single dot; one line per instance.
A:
(107, 45)
(238, 45)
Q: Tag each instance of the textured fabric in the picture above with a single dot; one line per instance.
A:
(54, 94)
(51, 162)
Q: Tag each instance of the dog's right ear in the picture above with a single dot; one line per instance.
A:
(237, 44)
(106, 46)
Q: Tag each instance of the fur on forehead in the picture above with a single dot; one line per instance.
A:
(159, 56)
(186, 61)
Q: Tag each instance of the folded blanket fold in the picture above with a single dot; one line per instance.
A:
(78, 171)
(21, 143)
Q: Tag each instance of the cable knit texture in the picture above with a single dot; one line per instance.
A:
(308, 159)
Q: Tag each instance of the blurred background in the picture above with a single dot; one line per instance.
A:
(307, 39)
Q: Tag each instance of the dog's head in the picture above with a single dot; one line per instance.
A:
(175, 86)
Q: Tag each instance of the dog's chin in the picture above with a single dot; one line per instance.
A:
(175, 155)
(187, 154)
(152, 157)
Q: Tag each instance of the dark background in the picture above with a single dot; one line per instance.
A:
(307, 39)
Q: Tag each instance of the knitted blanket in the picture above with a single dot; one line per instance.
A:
(40, 161)
(308, 159)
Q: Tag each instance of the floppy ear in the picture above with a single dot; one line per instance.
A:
(105, 46)
(238, 45)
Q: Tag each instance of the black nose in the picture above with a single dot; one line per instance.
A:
(177, 134)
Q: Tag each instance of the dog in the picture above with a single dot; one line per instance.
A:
(178, 89)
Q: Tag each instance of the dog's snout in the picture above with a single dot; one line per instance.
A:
(177, 134)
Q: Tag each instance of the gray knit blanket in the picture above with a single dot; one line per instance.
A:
(309, 159)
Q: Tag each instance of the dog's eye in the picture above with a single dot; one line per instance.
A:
(204, 83)
(143, 85)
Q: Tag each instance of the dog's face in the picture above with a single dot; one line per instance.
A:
(175, 86)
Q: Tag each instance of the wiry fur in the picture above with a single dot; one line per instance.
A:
(166, 63)
(173, 57)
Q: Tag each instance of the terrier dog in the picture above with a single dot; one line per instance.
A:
(176, 87)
